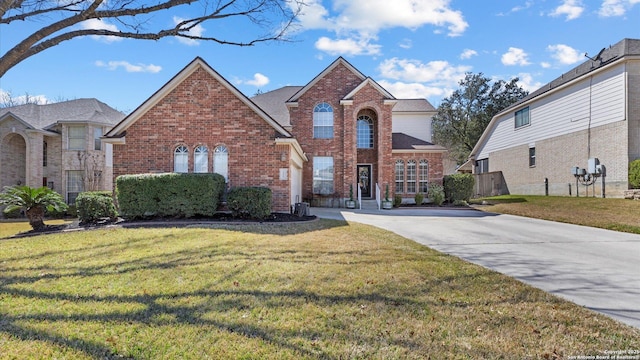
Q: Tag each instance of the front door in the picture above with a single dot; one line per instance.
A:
(364, 180)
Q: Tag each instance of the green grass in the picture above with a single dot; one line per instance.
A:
(12, 227)
(318, 290)
(613, 214)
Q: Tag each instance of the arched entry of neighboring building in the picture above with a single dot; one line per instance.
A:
(13, 160)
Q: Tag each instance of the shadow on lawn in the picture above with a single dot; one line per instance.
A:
(219, 297)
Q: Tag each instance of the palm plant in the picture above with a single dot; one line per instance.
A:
(34, 201)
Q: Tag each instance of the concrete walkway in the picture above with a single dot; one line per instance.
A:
(595, 268)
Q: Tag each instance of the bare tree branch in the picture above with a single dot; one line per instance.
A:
(277, 16)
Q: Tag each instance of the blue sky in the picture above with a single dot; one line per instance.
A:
(413, 48)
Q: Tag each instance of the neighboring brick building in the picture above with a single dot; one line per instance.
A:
(305, 143)
(57, 145)
(592, 111)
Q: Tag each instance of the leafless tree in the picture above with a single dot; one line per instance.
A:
(7, 99)
(60, 20)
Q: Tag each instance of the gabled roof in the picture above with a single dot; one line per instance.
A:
(118, 131)
(606, 57)
(339, 61)
(369, 81)
(273, 102)
(44, 117)
(402, 141)
(413, 105)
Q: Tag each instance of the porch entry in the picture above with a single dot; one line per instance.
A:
(364, 179)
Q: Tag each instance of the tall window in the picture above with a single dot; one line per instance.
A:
(532, 156)
(76, 138)
(97, 134)
(399, 176)
(181, 160)
(423, 176)
(201, 159)
(411, 176)
(221, 161)
(365, 132)
(75, 185)
(522, 117)
(44, 153)
(323, 175)
(323, 121)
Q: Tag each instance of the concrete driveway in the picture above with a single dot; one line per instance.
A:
(595, 268)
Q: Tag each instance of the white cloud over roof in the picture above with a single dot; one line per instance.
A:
(616, 7)
(129, 67)
(565, 54)
(515, 56)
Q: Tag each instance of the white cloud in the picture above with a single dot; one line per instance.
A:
(571, 8)
(403, 90)
(259, 80)
(436, 72)
(7, 98)
(545, 65)
(197, 31)
(525, 80)
(406, 44)
(97, 24)
(347, 46)
(565, 54)
(616, 7)
(515, 9)
(468, 53)
(515, 56)
(128, 67)
(357, 23)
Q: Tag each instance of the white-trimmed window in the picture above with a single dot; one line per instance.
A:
(323, 175)
(399, 177)
(323, 121)
(181, 159)
(97, 134)
(532, 157)
(365, 132)
(482, 166)
(201, 159)
(75, 185)
(522, 117)
(221, 161)
(423, 176)
(76, 140)
(411, 176)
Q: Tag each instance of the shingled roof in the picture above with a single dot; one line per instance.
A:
(274, 103)
(80, 110)
(402, 141)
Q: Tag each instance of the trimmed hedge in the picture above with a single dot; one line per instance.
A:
(634, 174)
(172, 194)
(458, 187)
(95, 205)
(250, 202)
(436, 194)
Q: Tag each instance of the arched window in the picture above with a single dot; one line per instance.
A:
(411, 176)
(323, 121)
(201, 159)
(221, 161)
(181, 159)
(423, 176)
(365, 132)
(399, 177)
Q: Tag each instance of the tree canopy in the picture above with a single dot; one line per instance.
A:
(463, 116)
(62, 20)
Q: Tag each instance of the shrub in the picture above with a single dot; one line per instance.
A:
(173, 194)
(634, 174)
(419, 197)
(250, 202)
(436, 194)
(460, 203)
(13, 214)
(458, 187)
(397, 201)
(93, 206)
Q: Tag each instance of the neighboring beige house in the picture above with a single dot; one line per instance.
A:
(592, 111)
(58, 145)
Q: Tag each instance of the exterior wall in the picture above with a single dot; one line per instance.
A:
(53, 171)
(556, 156)
(436, 169)
(342, 147)
(416, 125)
(202, 111)
(633, 108)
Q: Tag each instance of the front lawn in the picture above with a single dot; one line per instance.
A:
(322, 289)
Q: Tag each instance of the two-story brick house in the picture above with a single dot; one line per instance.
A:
(57, 145)
(342, 130)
